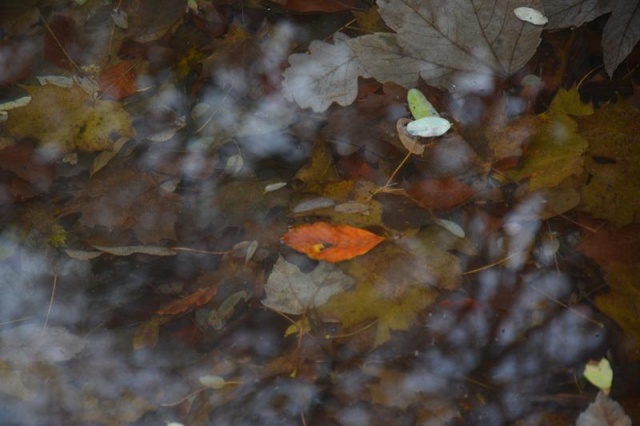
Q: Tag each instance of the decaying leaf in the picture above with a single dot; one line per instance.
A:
(556, 150)
(333, 243)
(440, 194)
(372, 302)
(622, 304)
(442, 42)
(613, 163)
(603, 412)
(190, 302)
(121, 199)
(329, 73)
(291, 291)
(28, 343)
(66, 120)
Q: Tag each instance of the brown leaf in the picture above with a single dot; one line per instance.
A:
(608, 244)
(440, 194)
(333, 243)
(23, 160)
(189, 303)
(310, 6)
(119, 81)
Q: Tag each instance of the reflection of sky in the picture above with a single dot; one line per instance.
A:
(84, 363)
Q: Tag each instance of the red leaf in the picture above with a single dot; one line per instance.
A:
(190, 302)
(440, 194)
(333, 243)
(119, 81)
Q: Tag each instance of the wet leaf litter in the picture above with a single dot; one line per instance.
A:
(182, 232)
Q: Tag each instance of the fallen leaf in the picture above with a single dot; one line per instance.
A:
(333, 243)
(603, 412)
(65, 120)
(613, 163)
(122, 199)
(291, 291)
(574, 13)
(440, 42)
(556, 150)
(118, 81)
(190, 302)
(22, 159)
(129, 250)
(440, 194)
(622, 304)
(608, 244)
(329, 73)
(373, 302)
(27, 344)
(309, 6)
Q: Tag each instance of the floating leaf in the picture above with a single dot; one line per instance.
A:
(603, 412)
(291, 291)
(442, 42)
(419, 106)
(306, 80)
(428, 127)
(532, 16)
(600, 374)
(333, 243)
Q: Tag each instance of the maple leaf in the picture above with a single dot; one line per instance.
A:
(613, 163)
(372, 302)
(621, 304)
(556, 150)
(67, 119)
(620, 34)
(442, 42)
(291, 291)
(333, 243)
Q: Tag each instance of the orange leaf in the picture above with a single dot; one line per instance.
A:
(333, 243)
(190, 302)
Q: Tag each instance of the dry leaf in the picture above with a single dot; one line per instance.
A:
(293, 292)
(333, 243)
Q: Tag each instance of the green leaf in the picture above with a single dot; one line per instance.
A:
(599, 374)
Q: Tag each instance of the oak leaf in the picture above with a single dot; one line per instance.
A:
(333, 243)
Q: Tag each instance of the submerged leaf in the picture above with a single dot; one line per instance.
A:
(65, 120)
(333, 243)
(293, 292)
(603, 412)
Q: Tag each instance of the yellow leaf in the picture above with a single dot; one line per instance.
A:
(67, 119)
